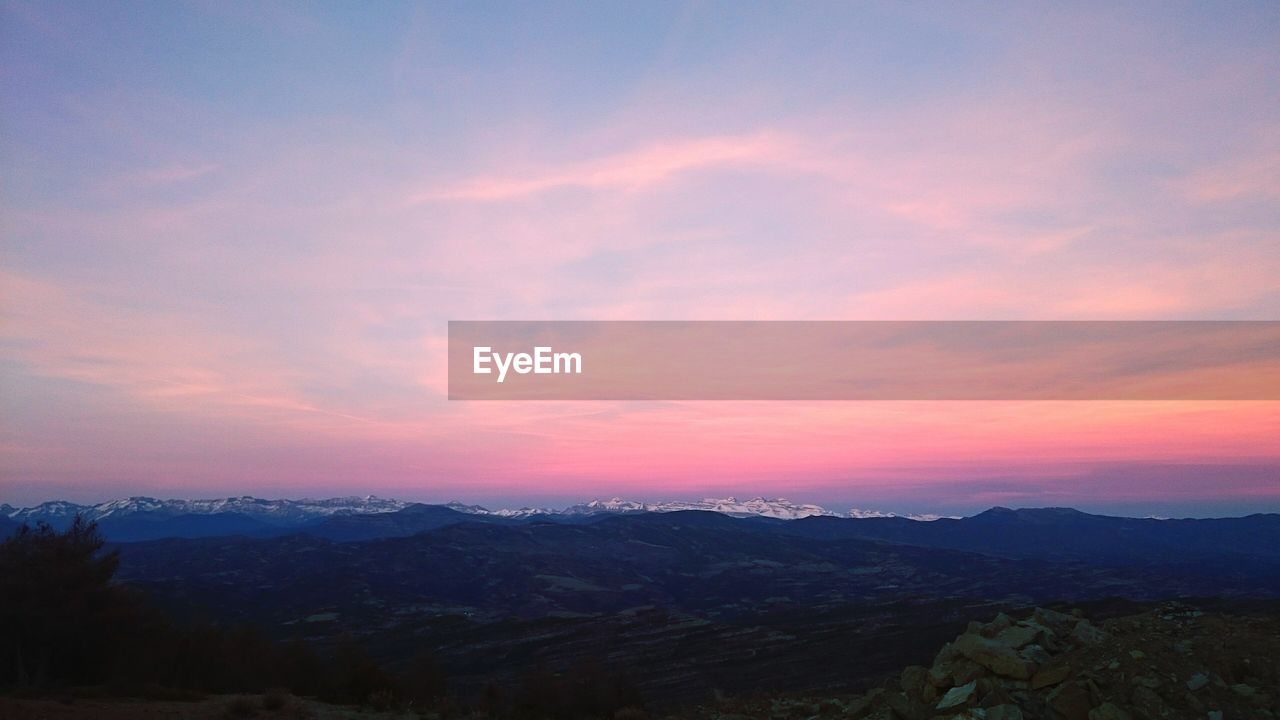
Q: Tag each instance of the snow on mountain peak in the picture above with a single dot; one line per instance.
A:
(859, 514)
(289, 512)
(780, 508)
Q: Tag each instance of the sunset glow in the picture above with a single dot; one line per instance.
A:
(233, 237)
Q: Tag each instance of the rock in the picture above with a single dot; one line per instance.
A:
(946, 654)
(1095, 692)
(914, 678)
(1035, 654)
(1000, 624)
(1109, 711)
(1243, 690)
(1017, 636)
(997, 695)
(1050, 676)
(995, 657)
(955, 672)
(1147, 703)
(958, 696)
(830, 706)
(863, 706)
(906, 708)
(1044, 630)
(1146, 681)
(966, 670)
(1086, 634)
(1052, 618)
(1215, 715)
(883, 713)
(1004, 712)
(1137, 654)
(1197, 681)
(1071, 701)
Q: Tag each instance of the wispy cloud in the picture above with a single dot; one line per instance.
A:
(235, 269)
(627, 171)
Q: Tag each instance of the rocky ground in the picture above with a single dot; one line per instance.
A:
(1168, 663)
(213, 707)
(1172, 662)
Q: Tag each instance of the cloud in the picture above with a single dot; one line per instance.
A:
(1253, 178)
(628, 171)
(243, 281)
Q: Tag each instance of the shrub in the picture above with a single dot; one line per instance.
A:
(299, 711)
(382, 700)
(240, 707)
(357, 678)
(275, 699)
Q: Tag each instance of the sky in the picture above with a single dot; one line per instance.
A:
(232, 235)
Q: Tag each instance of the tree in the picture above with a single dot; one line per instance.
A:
(425, 683)
(59, 611)
(63, 621)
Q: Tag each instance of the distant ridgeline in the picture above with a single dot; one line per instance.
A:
(143, 518)
(682, 599)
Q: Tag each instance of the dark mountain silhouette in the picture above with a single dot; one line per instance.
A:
(1045, 533)
(694, 560)
(1067, 534)
(691, 597)
(154, 526)
(684, 601)
(402, 523)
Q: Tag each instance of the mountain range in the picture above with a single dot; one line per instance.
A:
(688, 600)
(145, 518)
(274, 511)
(733, 595)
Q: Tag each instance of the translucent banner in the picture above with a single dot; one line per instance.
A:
(864, 360)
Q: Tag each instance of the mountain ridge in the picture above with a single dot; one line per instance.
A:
(689, 595)
(1000, 531)
(300, 511)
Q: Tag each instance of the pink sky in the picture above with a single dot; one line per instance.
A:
(232, 240)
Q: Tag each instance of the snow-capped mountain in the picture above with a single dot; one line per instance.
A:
(780, 508)
(859, 514)
(274, 511)
(468, 509)
(615, 505)
(53, 510)
(523, 512)
(290, 513)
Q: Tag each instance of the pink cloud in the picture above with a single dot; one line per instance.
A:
(282, 325)
(627, 171)
(1253, 178)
